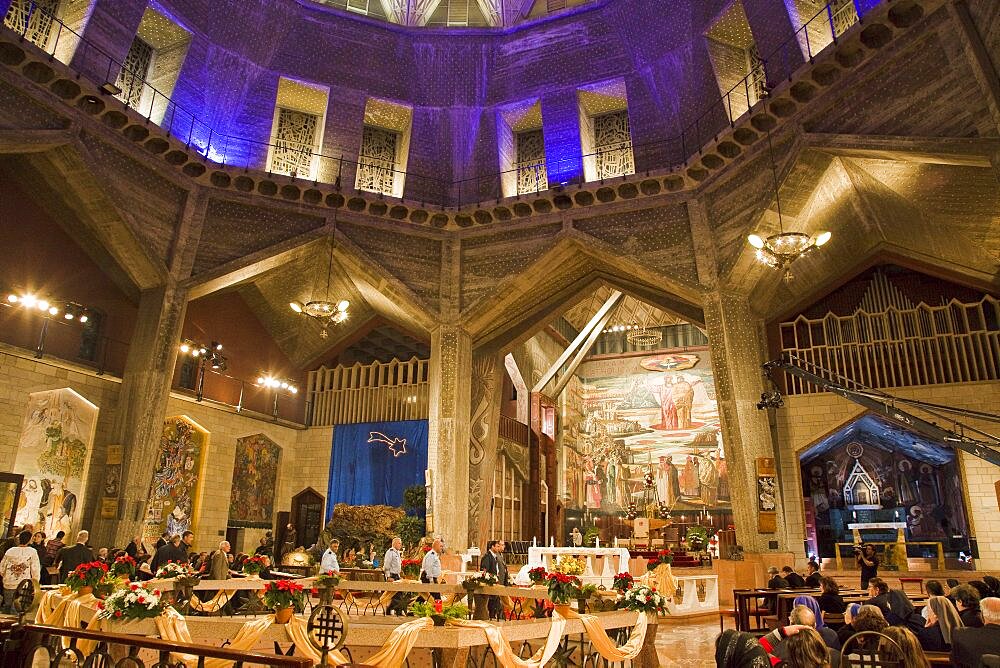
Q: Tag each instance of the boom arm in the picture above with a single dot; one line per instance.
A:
(884, 404)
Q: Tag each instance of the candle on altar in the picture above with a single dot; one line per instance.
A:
(597, 542)
(616, 541)
(552, 541)
(534, 541)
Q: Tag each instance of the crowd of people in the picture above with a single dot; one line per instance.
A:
(963, 621)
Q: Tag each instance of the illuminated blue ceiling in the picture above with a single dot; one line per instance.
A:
(877, 432)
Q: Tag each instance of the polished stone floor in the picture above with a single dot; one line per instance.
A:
(688, 645)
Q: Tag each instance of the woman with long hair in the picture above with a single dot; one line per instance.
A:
(942, 620)
(913, 655)
(806, 649)
(734, 649)
(830, 600)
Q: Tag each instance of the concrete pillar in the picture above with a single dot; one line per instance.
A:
(487, 386)
(774, 35)
(738, 350)
(109, 33)
(345, 120)
(142, 405)
(561, 129)
(448, 434)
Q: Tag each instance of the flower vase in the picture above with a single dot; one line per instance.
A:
(438, 620)
(482, 609)
(581, 605)
(84, 591)
(283, 615)
(563, 609)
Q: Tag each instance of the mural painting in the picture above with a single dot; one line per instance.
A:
(255, 478)
(649, 418)
(176, 486)
(53, 454)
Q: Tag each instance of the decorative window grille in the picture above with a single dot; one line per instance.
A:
(377, 162)
(613, 145)
(843, 14)
(758, 77)
(531, 176)
(132, 77)
(32, 19)
(294, 140)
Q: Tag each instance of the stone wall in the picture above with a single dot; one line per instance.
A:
(807, 418)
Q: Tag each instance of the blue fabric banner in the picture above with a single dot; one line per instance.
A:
(373, 462)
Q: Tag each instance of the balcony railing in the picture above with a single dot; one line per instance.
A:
(368, 393)
(513, 430)
(824, 28)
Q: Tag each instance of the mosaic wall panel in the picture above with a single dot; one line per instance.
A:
(530, 165)
(489, 259)
(177, 482)
(613, 145)
(255, 478)
(53, 455)
(640, 415)
(33, 19)
(135, 69)
(658, 238)
(233, 230)
(419, 267)
(294, 143)
(377, 160)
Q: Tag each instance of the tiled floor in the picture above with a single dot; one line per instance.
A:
(690, 645)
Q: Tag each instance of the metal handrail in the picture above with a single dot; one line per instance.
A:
(225, 149)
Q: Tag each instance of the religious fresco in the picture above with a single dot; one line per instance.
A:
(255, 478)
(176, 487)
(653, 415)
(53, 454)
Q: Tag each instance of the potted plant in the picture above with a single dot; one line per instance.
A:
(410, 569)
(643, 598)
(590, 536)
(568, 565)
(124, 567)
(622, 582)
(697, 538)
(663, 557)
(283, 596)
(586, 591)
(538, 575)
(175, 569)
(325, 585)
(438, 612)
(562, 589)
(253, 566)
(472, 584)
(132, 602)
(85, 577)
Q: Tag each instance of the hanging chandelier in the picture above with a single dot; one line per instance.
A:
(643, 337)
(780, 250)
(326, 311)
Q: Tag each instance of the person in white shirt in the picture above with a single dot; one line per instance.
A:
(329, 563)
(430, 567)
(392, 566)
(18, 564)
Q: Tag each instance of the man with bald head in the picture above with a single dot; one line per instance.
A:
(802, 615)
(968, 645)
(219, 570)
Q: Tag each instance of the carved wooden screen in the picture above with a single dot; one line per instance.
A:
(32, 19)
(613, 145)
(758, 77)
(844, 15)
(294, 140)
(377, 163)
(132, 77)
(531, 176)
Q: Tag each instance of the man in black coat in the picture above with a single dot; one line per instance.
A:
(493, 563)
(175, 550)
(968, 645)
(795, 581)
(70, 557)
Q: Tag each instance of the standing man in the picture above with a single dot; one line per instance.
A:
(430, 567)
(18, 563)
(392, 566)
(70, 557)
(868, 563)
(219, 569)
(329, 563)
(493, 563)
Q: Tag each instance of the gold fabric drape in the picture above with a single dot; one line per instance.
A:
(662, 578)
(214, 604)
(507, 657)
(605, 645)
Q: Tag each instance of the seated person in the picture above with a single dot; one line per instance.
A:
(942, 620)
(830, 600)
(981, 588)
(934, 588)
(795, 581)
(967, 602)
(798, 646)
(813, 578)
(968, 645)
(776, 581)
(912, 656)
(895, 605)
(860, 618)
(807, 613)
(993, 584)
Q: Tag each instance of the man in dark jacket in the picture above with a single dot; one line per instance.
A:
(776, 581)
(968, 645)
(176, 550)
(795, 581)
(967, 602)
(69, 558)
(813, 579)
(493, 563)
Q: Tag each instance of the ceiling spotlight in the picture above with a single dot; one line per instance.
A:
(84, 318)
(12, 299)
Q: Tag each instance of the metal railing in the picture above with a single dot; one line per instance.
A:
(824, 28)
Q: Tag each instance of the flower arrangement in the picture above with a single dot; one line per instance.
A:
(328, 579)
(632, 511)
(410, 569)
(563, 588)
(538, 575)
(663, 511)
(697, 537)
(132, 602)
(622, 582)
(439, 612)
(282, 594)
(123, 566)
(662, 557)
(254, 565)
(648, 480)
(176, 569)
(86, 575)
(568, 565)
(644, 598)
(480, 579)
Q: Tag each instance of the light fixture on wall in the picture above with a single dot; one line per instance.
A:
(326, 311)
(69, 310)
(267, 380)
(778, 251)
(205, 356)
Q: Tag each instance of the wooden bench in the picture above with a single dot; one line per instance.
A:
(918, 583)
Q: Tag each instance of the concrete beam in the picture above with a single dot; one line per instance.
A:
(967, 152)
